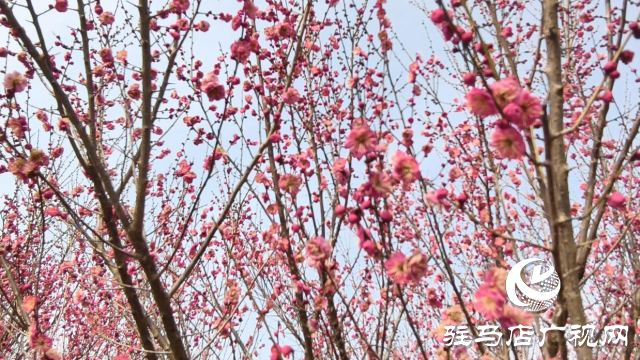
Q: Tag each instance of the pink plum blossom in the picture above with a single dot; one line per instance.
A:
(508, 142)
(489, 303)
(107, 18)
(15, 82)
(505, 91)
(617, 200)
(405, 168)
(361, 141)
(291, 96)
(211, 87)
(531, 109)
(480, 103)
(290, 184)
(318, 251)
(61, 5)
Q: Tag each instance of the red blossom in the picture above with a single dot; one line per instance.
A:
(61, 5)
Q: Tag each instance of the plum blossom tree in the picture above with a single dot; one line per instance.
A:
(188, 179)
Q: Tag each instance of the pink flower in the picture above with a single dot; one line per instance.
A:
(417, 266)
(107, 18)
(610, 67)
(514, 316)
(39, 158)
(250, 9)
(469, 79)
(29, 303)
(241, 49)
(433, 298)
(20, 168)
(122, 55)
(626, 56)
(153, 25)
(467, 37)
(617, 200)
(505, 91)
(531, 109)
(635, 29)
(189, 177)
(496, 278)
(62, 5)
(489, 302)
(15, 82)
(78, 296)
(291, 96)
(211, 87)
(396, 268)
(438, 198)
(361, 141)
(134, 92)
(57, 152)
(454, 314)
(386, 216)
(513, 113)
(18, 126)
(179, 6)
(318, 251)
(77, 191)
(203, 26)
(286, 31)
(438, 16)
(286, 350)
(53, 354)
(106, 55)
(379, 185)
(38, 341)
(405, 168)
(370, 248)
(290, 184)
(340, 171)
(52, 211)
(508, 143)
(276, 350)
(480, 103)
(607, 96)
(233, 293)
(63, 124)
(352, 82)
(405, 270)
(184, 171)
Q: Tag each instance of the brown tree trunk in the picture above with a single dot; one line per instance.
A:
(557, 174)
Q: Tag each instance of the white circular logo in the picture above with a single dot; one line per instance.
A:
(542, 290)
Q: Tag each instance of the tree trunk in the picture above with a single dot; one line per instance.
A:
(557, 174)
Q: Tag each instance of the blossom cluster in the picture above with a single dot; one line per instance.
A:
(518, 108)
